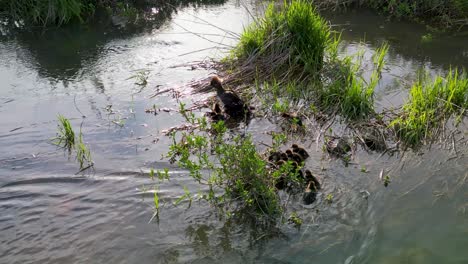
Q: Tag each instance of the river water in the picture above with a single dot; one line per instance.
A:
(50, 214)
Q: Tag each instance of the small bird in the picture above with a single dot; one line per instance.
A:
(216, 114)
(280, 163)
(300, 150)
(234, 106)
(280, 183)
(216, 109)
(283, 156)
(274, 156)
(310, 195)
(313, 181)
(294, 156)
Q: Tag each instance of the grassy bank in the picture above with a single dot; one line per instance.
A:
(59, 12)
(430, 105)
(445, 13)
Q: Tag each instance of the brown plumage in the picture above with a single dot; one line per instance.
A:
(300, 150)
(294, 156)
(280, 183)
(216, 114)
(283, 156)
(310, 194)
(216, 109)
(234, 106)
(274, 156)
(312, 180)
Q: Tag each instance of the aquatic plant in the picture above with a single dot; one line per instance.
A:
(83, 155)
(66, 139)
(430, 105)
(65, 135)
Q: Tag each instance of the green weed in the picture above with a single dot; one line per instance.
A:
(288, 40)
(430, 105)
(83, 155)
(66, 139)
(65, 135)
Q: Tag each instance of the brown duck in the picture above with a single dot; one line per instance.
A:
(310, 194)
(216, 114)
(234, 106)
(300, 150)
(294, 156)
(312, 180)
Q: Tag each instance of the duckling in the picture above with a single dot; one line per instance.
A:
(300, 150)
(312, 179)
(274, 156)
(216, 109)
(233, 104)
(280, 183)
(280, 163)
(283, 156)
(310, 195)
(294, 156)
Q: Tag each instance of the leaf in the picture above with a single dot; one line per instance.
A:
(156, 200)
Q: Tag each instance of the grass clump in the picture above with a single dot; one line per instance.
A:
(346, 91)
(66, 139)
(430, 105)
(290, 40)
(65, 134)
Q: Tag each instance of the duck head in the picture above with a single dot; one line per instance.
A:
(216, 83)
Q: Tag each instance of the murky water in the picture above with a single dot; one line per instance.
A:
(51, 215)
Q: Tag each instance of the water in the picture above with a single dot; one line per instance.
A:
(50, 214)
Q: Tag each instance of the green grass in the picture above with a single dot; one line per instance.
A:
(45, 12)
(83, 155)
(66, 139)
(430, 105)
(235, 168)
(347, 92)
(289, 40)
(65, 135)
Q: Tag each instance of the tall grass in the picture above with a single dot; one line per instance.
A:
(290, 40)
(66, 139)
(430, 105)
(65, 134)
(46, 12)
(347, 91)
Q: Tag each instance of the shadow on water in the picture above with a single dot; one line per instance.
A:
(61, 53)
